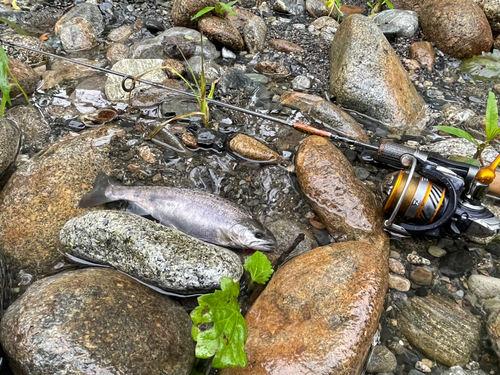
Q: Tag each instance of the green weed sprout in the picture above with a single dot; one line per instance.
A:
(5, 86)
(334, 4)
(220, 10)
(378, 7)
(492, 129)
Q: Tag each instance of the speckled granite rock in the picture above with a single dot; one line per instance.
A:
(254, 34)
(87, 11)
(491, 9)
(367, 76)
(10, 139)
(96, 321)
(30, 121)
(151, 252)
(27, 57)
(318, 314)
(441, 329)
(184, 10)
(344, 204)
(27, 78)
(40, 197)
(223, 31)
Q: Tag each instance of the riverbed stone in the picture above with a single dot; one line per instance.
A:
(493, 327)
(400, 283)
(150, 252)
(254, 34)
(441, 329)
(286, 231)
(397, 22)
(184, 10)
(35, 129)
(78, 34)
(85, 11)
(381, 360)
(25, 56)
(223, 31)
(318, 313)
(367, 76)
(96, 321)
(343, 203)
(295, 7)
(422, 275)
(317, 8)
(424, 53)
(491, 9)
(10, 140)
(458, 28)
(70, 71)
(133, 67)
(299, 100)
(40, 197)
(27, 78)
(285, 46)
(251, 149)
(484, 286)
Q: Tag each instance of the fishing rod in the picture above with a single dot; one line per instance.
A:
(128, 84)
(430, 194)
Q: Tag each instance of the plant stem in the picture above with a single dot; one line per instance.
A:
(18, 85)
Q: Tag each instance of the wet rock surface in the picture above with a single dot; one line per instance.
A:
(150, 252)
(343, 203)
(27, 57)
(34, 128)
(129, 329)
(458, 28)
(27, 78)
(354, 78)
(335, 313)
(222, 31)
(183, 11)
(441, 329)
(252, 149)
(10, 140)
(397, 22)
(40, 198)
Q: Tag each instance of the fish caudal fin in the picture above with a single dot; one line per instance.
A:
(97, 195)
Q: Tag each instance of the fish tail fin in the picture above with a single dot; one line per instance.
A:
(97, 195)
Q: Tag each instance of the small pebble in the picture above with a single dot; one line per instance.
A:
(428, 362)
(394, 254)
(436, 251)
(416, 259)
(396, 266)
(399, 283)
(420, 366)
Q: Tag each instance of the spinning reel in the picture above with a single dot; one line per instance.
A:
(436, 196)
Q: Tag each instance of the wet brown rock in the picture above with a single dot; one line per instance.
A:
(343, 203)
(51, 78)
(189, 140)
(491, 9)
(317, 8)
(10, 139)
(35, 129)
(175, 65)
(414, 5)
(241, 19)
(40, 197)
(70, 71)
(117, 52)
(423, 52)
(184, 10)
(284, 46)
(126, 324)
(458, 28)
(422, 275)
(318, 314)
(299, 100)
(367, 76)
(272, 67)
(399, 283)
(324, 22)
(440, 329)
(350, 9)
(222, 30)
(252, 149)
(27, 78)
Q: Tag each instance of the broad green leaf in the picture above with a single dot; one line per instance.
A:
(232, 3)
(484, 67)
(259, 267)
(491, 117)
(225, 340)
(202, 12)
(458, 132)
(370, 5)
(389, 4)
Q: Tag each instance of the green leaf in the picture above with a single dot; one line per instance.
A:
(491, 117)
(202, 12)
(5, 98)
(227, 8)
(458, 132)
(225, 340)
(389, 4)
(259, 267)
(370, 5)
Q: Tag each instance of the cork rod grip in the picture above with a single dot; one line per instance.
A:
(495, 187)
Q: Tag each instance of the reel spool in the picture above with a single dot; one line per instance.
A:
(422, 202)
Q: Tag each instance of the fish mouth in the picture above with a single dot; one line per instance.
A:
(267, 246)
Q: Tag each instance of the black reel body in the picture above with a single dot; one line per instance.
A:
(433, 202)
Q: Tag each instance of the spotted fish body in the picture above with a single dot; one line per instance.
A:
(197, 213)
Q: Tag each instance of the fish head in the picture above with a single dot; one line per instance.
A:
(251, 234)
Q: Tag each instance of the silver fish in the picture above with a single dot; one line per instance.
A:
(199, 214)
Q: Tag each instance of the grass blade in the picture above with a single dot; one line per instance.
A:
(202, 12)
(458, 132)
(491, 117)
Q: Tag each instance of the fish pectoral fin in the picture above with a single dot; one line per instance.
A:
(136, 209)
(222, 238)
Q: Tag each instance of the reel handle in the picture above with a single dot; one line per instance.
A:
(494, 189)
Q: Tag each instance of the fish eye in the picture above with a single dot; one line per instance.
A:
(259, 235)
